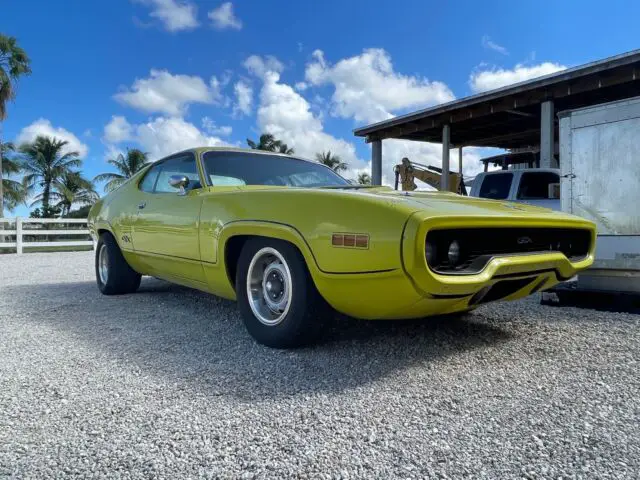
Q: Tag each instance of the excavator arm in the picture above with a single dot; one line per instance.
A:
(407, 171)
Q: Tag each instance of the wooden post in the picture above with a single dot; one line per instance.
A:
(446, 145)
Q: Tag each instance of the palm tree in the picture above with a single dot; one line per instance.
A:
(14, 193)
(14, 63)
(68, 190)
(334, 162)
(364, 178)
(127, 165)
(44, 163)
(269, 143)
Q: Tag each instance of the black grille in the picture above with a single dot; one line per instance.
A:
(499, 290)
(479, 245)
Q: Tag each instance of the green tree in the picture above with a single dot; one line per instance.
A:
(45, 163)
(334, 162)
(364, 178)
(14, 63)
(269, 143)
(82, 212)
(14, 192)
(127, 166)
(68, 190)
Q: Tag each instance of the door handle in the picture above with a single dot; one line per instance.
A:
(141, 205)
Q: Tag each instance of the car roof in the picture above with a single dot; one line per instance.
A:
(201, 150)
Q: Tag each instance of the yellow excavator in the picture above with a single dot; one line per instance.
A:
(407, 171)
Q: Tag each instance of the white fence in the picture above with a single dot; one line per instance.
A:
(21, 229)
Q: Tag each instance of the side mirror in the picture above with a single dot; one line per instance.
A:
(179, 181)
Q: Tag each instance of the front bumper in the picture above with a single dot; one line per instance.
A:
(499, 267)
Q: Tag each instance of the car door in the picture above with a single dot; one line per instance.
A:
(165, 232)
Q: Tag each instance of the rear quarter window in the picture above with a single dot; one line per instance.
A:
(496, 186)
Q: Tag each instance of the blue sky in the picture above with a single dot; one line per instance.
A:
(164, 75)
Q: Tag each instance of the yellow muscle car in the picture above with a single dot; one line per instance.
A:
(287, 237)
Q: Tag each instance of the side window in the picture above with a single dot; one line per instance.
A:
(149, 180)
(537, 185)
(496, 186)
(185, 165)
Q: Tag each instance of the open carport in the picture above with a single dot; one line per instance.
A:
(519, 117)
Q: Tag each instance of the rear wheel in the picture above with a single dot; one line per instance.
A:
(113, 274)
(277, 298)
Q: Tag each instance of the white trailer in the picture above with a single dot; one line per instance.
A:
(600, 181)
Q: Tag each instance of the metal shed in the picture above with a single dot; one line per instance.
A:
(519, 116)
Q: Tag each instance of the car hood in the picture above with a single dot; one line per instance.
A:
(432, 204)
(445, 203)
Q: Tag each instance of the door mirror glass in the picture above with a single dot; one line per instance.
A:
(179, 181)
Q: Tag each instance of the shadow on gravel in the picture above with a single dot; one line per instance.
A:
(198, 342)
(618, 302)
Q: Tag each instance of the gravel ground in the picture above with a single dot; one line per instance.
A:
(165, 383)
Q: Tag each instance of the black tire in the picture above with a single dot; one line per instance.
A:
(120, 277)
(300, 322)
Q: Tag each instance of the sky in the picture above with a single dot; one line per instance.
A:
(165, 75)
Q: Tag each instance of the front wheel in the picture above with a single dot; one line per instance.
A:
(113, 274)
(277, 298)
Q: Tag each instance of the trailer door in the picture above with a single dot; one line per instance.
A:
(604, 170)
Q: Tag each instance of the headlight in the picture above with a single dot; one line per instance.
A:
(454, 253)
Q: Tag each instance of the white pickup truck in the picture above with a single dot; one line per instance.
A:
(536, 186)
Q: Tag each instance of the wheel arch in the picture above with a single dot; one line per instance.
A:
(234, 236)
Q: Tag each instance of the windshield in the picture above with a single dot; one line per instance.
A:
(248, 168)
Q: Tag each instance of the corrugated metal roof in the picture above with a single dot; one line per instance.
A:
(546, 81)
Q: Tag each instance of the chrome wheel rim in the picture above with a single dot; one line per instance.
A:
(269, 286)
(103, 264)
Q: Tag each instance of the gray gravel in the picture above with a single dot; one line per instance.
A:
(165, 383)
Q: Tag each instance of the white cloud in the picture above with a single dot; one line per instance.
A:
(209, 126)
(175, 15)
(284, 113)
(163, 136)
(483, 80)
(43, 126)
(491, 45)
(171, 94)
(244, 98)
(301, 86)
(368, 89)
(260, 66)
(223, 17)
(117, 130)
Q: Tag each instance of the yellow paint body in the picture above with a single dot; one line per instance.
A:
(184, 239)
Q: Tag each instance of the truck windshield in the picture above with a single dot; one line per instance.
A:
(496, 186)
(247, 168)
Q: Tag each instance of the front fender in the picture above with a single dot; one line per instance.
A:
(265, 229)
(214, 258)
